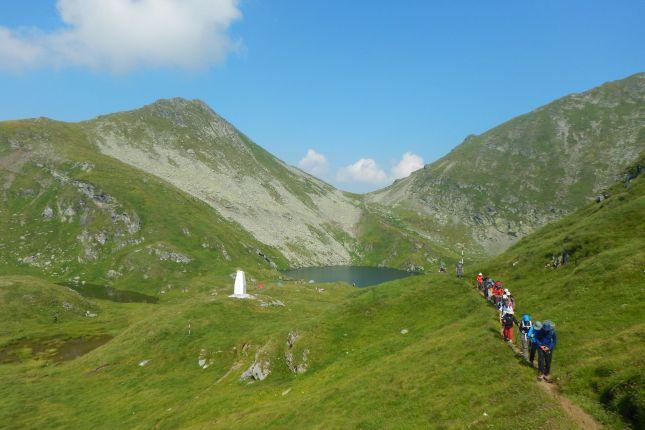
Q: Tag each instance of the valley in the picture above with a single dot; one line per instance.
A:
(120, 237)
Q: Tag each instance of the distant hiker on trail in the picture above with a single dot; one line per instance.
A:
(533, 332)
(498, 292)
(488, 287)
(460, 270)
(524, 327)
(546, 341)
(510, 298)
(508, 319)
(506, 305)
(480, 281)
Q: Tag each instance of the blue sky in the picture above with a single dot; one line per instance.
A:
(352, 80)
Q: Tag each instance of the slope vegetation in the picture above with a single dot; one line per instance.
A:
(73, 215)
(416, 353)
(531, 170)
(190, 146)
(596, 298)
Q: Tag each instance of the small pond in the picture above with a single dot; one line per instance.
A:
(109, 293)
(56, 349)
(353, 275)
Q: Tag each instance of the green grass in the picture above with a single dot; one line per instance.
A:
(449, 371)
(168, 218)
(596, 300)
(399, 238)
(446, 372)
(532, 169)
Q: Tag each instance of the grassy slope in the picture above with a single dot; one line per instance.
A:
(534, 168)
(597, 300)
(384, 236)
(164, 213)
(393, 237)
(446, 372)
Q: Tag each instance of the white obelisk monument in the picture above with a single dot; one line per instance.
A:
(239, 290)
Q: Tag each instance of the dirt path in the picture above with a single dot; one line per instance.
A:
(575, 412)
(580, 417)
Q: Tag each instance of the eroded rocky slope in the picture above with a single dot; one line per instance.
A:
(187, 144)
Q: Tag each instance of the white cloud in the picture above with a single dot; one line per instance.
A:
(365, 171)
(409, 163)
(120, 35)
(16, 52)
(314, 162)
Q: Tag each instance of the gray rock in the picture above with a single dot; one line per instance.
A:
(69, 212)
(101, 237)
(113, 274)
(258, 371)
(48, 213)
(166, 255)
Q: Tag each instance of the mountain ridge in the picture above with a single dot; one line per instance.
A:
(532, 169)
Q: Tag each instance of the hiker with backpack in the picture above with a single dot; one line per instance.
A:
(524, 327)
(546, 341)
(505, 306)
(498, 292)
(508, 320)
(533, 347)
(488, 288)
(480, 281)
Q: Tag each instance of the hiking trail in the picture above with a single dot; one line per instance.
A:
(575, 412)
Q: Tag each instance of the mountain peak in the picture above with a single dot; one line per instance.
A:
(180, 105)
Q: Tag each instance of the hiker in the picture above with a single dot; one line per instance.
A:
(510, 298)
(460, 270)
(442, 268)
(533, 332)
(524, 328)
(480, 281)
(546, 341)
(507, 304)
(491, 285)
(488, 285)
(497, 293)
(508, 319)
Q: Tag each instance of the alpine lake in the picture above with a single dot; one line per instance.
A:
(359, 276)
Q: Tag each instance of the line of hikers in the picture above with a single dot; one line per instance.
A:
(534, 336)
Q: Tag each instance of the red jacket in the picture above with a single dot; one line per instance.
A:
(480, 279)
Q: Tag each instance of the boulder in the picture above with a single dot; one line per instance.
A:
(48, 213)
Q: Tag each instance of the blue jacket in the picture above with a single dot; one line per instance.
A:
(531, 334)
(546, 338)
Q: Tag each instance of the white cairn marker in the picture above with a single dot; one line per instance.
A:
(239, 290)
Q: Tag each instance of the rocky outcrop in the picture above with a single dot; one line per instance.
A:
(259, 369)
(48, 213)
(295, 364)
(166, 254)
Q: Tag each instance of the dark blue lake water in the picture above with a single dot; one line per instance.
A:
(357, 275)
